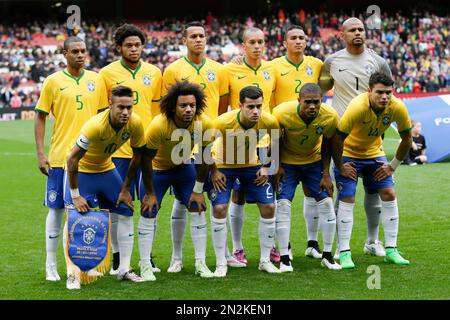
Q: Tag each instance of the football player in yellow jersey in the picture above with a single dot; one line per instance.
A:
(195, 68)
(358, 152)
(257, 72)
(167, 162)
(308, 126)
(92, 179)
(145, 80)
(235, 157)
(72, 96)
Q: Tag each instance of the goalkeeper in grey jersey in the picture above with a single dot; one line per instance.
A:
(349, 71)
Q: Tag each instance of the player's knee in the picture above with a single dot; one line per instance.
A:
(387, 194)
(220, 211)
(267, 210)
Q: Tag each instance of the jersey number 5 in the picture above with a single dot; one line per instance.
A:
(78, 101)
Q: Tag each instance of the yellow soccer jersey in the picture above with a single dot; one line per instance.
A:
(240, 76)
(291, 77)
(101, 140)
(210, 75)
(233, 147)
(72, 101)
(146, 82)
(171, 142)
(364, 128)
(301, 142)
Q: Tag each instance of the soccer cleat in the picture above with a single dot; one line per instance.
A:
(51, 273)
(154, 267)
(286, 268)
(274, 255)
(114, 272)
(345, 259)
(234, 263)
(240, 256)
(268, 267)
(330, 264)
(393, 256)
(129, 276)
(175, 266)
(375, 249)
(94, 273)
(202, 269)
(147, 273)
(313, 252)
(221, 271)
(73, 282)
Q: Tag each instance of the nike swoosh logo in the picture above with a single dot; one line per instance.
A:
(283, 74)
(218, 229)
(81, 140)
(270, 237)
(331, 220)
(61, 89)
(239, 78)
(143, 234)
(345, 221)
(201, 227)
(119, 82)
(340, 70)
(184, 78)
(366, 122)
(393, 219)
(315, 218)
(53, 237)
(131, 234)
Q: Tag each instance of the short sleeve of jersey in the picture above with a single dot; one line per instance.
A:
(402, 118)
(90, 130)
(325, 70)
(167, 80)
(349, 117)
(158, 85)
(154, 134)
(223, 82)
(44, 104)
(103, 94)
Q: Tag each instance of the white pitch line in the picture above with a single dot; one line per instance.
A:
(10, 154)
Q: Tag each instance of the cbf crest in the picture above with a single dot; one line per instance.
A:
(147, 80)
(369, 69)
(125, 135)
(89, 236)
(91, 86)
(211, 75)
(386, 120)
(319, 130)
(309, 71)
(266, 75)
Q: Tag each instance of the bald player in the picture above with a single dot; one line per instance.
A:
(253, 72)
(72, 95)
(349, 70)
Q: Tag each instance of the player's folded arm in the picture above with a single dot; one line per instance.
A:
(342, 134)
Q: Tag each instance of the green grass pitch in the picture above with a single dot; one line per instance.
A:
(423, 196)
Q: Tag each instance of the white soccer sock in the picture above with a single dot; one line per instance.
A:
(70, 267)
(327, 221)
(146, 232)
(345, 224)
(178, 227)
(219, 236)
(199, 235)
(311, 216)
(236, 223)
(211, 215)
(125, 237)
(372, 205)
(389, 218)
(52, 233)
(283, 225)
(266, 233)
(114, 224)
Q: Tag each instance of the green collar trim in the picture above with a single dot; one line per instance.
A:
(240, 123)
(133, 73)
(74, 78)
(295, 65)
(194, 66)
(253, 69)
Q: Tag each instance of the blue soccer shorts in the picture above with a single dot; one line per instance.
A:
(122, 165)
(365, 169)
(54, 190)
(100, 190)
(246, 176)
(309, 174)
(181, 178)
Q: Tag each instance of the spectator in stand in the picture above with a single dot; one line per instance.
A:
(416, 154)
